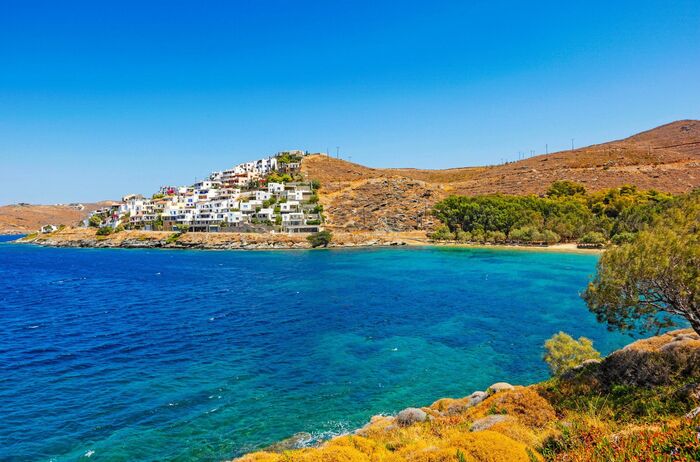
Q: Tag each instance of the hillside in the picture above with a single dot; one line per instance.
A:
(20, 219)
(666, 158)
(638, 404)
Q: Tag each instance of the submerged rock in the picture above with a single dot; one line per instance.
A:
(296, 441)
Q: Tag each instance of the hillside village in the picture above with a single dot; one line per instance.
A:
(265, 195)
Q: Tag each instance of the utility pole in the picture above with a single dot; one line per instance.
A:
(337, 152)
(572, 144)
(546, 148)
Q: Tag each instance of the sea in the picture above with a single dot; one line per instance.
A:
(184, 355)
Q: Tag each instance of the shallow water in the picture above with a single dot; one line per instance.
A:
(202, 355)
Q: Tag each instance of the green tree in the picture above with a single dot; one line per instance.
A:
(95, 221)
(593, 238)
(653, 281)
(565, 188)
(564, 353)
(104, 231)
(320, 239)
(442, 233)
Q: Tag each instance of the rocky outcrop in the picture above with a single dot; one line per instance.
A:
(656, 361)
(576, 417)
(87, 237)
(410, 416)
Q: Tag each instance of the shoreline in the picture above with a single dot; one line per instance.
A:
(131, 239)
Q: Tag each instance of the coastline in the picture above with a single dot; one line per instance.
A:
(515, 422)
(87, 238)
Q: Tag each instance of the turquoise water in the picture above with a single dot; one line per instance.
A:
(201, 355)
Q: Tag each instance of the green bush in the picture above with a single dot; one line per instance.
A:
(550, 237)
(104, 231)
(442, 233)
(524, 234)
(495, 237)
(565, 188)
(564, 353)
(623, 238)
(320, 239)
(95, 221)
(463, 236)
(593, 238)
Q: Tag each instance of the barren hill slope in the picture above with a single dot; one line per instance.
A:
(20, 219)
(355, 197)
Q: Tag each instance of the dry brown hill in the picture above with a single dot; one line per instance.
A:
(666, 158)
(25, 218)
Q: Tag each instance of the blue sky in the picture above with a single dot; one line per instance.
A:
(98, 99)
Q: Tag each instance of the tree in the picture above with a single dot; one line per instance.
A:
(565, 188)
(593, 238)
(104, 231)
(95, 221)
(564, 353)
(442, 233)
(653, 281)
(322, 238)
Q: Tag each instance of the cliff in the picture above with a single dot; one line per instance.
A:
(640, 403)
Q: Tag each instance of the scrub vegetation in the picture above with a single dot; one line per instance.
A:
(623, 408)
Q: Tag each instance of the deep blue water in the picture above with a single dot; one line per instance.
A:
(201, 355)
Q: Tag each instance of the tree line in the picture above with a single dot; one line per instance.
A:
(566, 213)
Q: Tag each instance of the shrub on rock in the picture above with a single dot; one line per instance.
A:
(564, 353)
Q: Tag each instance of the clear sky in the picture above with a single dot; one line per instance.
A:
(100, 98)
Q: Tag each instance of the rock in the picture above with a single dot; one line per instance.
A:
(694, 413)
(498, 387)
(410, 416)
(296, 441)
(477, 397)
(689, 392)
(487, 422)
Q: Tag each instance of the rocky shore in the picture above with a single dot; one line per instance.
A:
(87, 237)
(641, 400)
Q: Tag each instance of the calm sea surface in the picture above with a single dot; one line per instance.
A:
(145, 355)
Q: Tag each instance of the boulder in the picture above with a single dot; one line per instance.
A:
(410, 416)
(498, 387)
(689, 392)
(464, 404)
(487, 422)
(477, 397)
